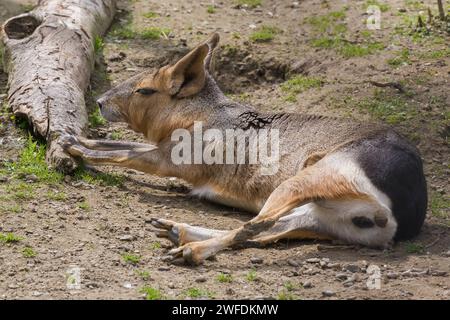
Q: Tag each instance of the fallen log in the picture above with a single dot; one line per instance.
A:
(49, 57)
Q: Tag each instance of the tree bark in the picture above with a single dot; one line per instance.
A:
(441, 10)
(49, 57)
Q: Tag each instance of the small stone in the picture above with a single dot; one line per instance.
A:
(292, 263)
(67, 179)
(36, 294)
(328, 293)
(171, 285)
(3, 179)
(439, 273)
(127, 237)
(164, 268)
(31, 178)
(256, 260)
(447, 254)
(352, 268)
(313, 260)
(307, 284)
(127, 285)
(342, 276)
(201, 279)
(392, 275)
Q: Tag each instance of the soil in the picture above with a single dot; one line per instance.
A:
(114, 219)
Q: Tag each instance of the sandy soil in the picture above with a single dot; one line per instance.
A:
(95, 224)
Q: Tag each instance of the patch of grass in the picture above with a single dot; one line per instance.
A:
(9, 238)
(346, 48)
(21, 191)
(224, 278)
(116, 135)
(299, 84)
(436, 54)
(131, 258)
(264, 34)
(84, 205)
(14, 208)
(143, 274)
(414, 4)
(401, 59)
(383, 6)
(391, 109)
(330, 23)
(285, 295)
(155, 245)
(412, 247)
(150, 15)
(96, 119)
(251, 275)
(154, 33)
(196, 293)
(102, 178)
(152, 293)
(440, 205)
(32, 161)
(289, 286)
(211, 9)
(98, 44)
(249, 3)
(28, 252)
(57, 196)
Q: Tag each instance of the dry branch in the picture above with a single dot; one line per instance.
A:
(49, 56)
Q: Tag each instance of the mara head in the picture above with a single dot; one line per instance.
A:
(151, 97)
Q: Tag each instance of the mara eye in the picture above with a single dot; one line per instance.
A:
(145, 91)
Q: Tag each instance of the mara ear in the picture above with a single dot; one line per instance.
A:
(212, 44)
(187, 76)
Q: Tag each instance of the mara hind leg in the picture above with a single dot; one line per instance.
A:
(300, 224)
(331, 182)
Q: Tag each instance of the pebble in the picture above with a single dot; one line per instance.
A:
(127, 285)
(126, 237)
(313, 260)
(164, 268)
(3, 179)
(342, 276)
(352, 268)
(292, 263)
(256, 260)
(392, 275)
(31, 178)
(307, 284)
(201, 279)
(328, 293)
(446, 254)
(171, 285)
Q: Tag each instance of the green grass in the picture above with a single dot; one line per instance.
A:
(96, 119)
(299, 84)
(98, 44)
(32, 161)
(196, 293)
(9, 238)
(412, 247)
(249, 3)
(154, 33)
(251, 275)
(401, 59)
(440, 205)
(285, 295)
(347, 49)
(331, 23)
(384, 7)
(143, 274)
(289, 286)
(211, 9)
(27, 7)
(436, 54)
(14, 208)
(150, 15)
(57, 196)
(84, 205)
(151, 293)
(28, 252)
(116, 135)
(224, 278)
(19, 191)
(264, 34)
(131, 258)
(155, 245)
(391, 109)
(99, 178)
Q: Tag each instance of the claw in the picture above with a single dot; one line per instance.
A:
(167, 229)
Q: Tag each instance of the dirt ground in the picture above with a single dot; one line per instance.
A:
(100, 227)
